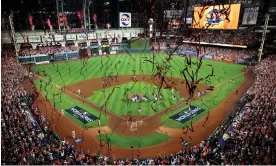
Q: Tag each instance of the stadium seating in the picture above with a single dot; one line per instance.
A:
(252, 136)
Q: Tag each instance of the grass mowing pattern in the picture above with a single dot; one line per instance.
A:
(117, 104)
(72, 72)
(66, 102)
(136, 142)
(208, 103)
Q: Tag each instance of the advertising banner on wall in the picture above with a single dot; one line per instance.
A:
(59, 38)
(172, 13)
(81, 36)
(34, 39)
(250, 16)
(20, 39)
(109, 35)
(126, 35)
(125, 19)
(92, 36)
(71, 37)
(217, 17)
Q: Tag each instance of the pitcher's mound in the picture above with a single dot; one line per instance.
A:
(138, 95)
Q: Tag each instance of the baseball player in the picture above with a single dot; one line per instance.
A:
(78, 91)
(73, 134)
(140, 110)
(174, 97)
(62, 112)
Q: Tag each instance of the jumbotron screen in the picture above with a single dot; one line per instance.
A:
(217, 17)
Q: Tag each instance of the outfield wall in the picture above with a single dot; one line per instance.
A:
(118, 48)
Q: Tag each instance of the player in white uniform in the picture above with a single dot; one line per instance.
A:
(73, 134)
(139, 110)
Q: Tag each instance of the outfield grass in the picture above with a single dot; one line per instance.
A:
(118, 104)
(68, 73)
(136, 142)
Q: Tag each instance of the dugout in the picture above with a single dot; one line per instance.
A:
(94, 47)
(82, 44)
(105, 46)
(26, 46)
(69, 43)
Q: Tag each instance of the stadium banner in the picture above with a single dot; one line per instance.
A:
(172, 13)
(133, 34)
(49, 38)
(187, 114)
(59, 38)
(216, 44)
(20, 39)
(81, 114)
(127, 35)
(109, 35)
(125, 19)
(228, 59)
(71, 37)
(250, 16)
(113, 52)
(92, 36)
(34, 39)
(100, 36)
(218, 58)
(216, 17)
(81, 36)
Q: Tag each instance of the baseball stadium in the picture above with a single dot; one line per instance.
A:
(197, 87)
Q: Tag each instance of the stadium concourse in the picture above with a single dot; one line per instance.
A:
(248, 138)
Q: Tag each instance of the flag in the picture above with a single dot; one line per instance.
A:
(224, 139)
(225, 136)
(94, 17)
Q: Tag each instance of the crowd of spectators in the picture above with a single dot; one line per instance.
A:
(222, 37)
(46, 50)
(251, 138)
(233, 53)
(222, 52)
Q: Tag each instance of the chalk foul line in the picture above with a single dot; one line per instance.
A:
(81, 98)
(167, 109)
(177, 105)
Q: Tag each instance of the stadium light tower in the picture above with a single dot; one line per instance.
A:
(13, 34)
(86, 13)
(263, 37)
(150, 22)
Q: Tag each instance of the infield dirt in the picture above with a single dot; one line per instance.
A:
(64, 126)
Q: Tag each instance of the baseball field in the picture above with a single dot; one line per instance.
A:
(118, 104)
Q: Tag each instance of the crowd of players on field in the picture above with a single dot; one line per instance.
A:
(251, 140)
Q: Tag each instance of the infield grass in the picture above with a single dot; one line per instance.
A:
(63, 74)
(119, 102)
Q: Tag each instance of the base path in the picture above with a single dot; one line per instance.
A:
(118, 123)
(64, 126)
